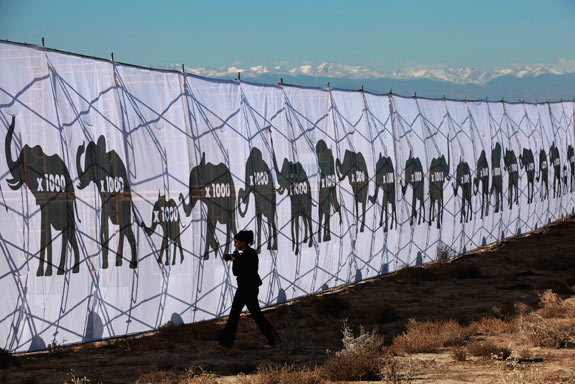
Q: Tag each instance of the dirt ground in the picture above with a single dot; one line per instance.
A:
(496, 282)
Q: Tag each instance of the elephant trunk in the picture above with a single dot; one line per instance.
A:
(475, 185)
(82, 174)
(187, 207)
(243, 198)
(403, 187)
(11, 163)
(338, 166)
(282, 181)
(149, 230)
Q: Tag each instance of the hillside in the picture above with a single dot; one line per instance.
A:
(487, 316)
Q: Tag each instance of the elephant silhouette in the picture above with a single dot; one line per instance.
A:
(414, 177)
(327, 191)
(482, 176)
(512, 169)
(527, 161)
(555, 161)
(258, 180)
(166, 215)
(497, 177)
(48, 179)
(463, 181)
(354, 168)
(107, 171)
(571, 160)
(213, 185)
(438, 173)
(385, 179)
(543, 175)
(293, 179)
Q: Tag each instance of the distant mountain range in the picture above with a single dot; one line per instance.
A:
(529, 83)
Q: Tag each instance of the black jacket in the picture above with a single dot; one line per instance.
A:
(245, 267)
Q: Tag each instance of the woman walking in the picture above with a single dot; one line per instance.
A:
(245, 268)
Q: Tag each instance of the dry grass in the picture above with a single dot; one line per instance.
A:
(552, 306)
(191, 376)
(286, 374)
(459, 353)
(488, 350)
(430, 336)
(361, 358)
(493, 326)
(541, 332)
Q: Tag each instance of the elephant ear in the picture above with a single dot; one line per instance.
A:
(101, 145)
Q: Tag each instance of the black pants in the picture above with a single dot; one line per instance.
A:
(247, 296)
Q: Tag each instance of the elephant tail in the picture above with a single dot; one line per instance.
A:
(373, 199)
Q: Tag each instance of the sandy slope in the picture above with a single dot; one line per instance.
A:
(485, 283)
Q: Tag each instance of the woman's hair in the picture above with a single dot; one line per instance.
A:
(245, 236)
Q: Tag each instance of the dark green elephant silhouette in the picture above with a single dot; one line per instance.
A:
(385, 179)
(166, 215)
(438, 172)
(327, 190)
(463, 182)
(48, 179)
(414, 177)
(527, 161)
(107, 171)
(259, 182)
(571, 160)
(482, 176)
(497, 177)
(555, 161)
(213, 185)
(293, 179)
(355, 169)
(512, 169)
(543, 175)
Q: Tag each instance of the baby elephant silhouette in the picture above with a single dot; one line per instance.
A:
(166, 215)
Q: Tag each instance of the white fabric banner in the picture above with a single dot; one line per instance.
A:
(122, 189)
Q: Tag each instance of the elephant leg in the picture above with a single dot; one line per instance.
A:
(439, 212)
(296, 234)
(120, 250)
(104, 237)
(74, 243)
(384, 211)
(43, 242)
(164, 249)
(364, 204)
(132, 241)
(413, 210)
(259, 222)
(65, 240)
(210, 237)
(431, 205)
(178, 245)
(308, 220)
(327, 229)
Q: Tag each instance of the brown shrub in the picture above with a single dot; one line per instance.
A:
(360, 359)
(541, 332)
(287, 374)
(489, 350)
(191, 376)
(493, 326)
(430, 336)
(552, 306)
(458, 353)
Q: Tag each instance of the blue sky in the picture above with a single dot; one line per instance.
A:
(379, 35)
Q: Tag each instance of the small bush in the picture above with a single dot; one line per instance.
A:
(191, 376)
(459, 354)
(489, 350)
(541, 332)
(360, 359)
(430, 336)
(287, 374)
(493, 326)
(552, 306)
